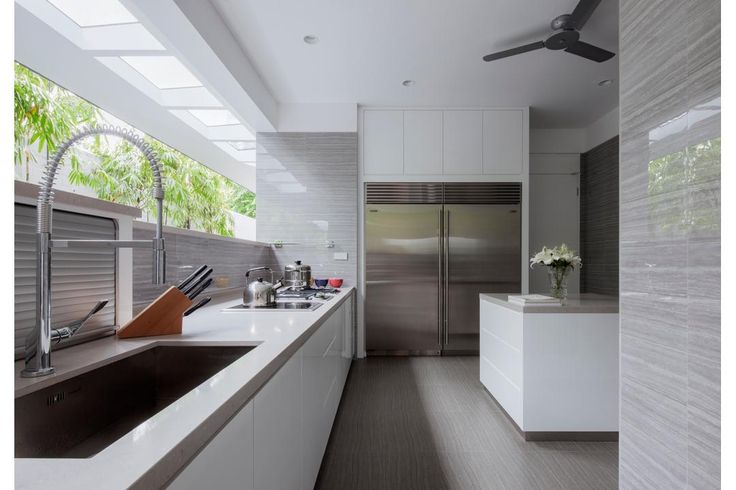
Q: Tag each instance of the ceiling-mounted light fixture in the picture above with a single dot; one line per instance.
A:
(408, 83)
(605, 83)
(311, 39)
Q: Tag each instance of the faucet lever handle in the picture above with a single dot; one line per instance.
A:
(68, 330)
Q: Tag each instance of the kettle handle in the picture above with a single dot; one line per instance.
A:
(247, 274)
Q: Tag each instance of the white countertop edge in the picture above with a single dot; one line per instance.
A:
(582, 303)
(155, 451)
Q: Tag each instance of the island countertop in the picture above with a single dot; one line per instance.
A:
(149, 455)
(581, 303)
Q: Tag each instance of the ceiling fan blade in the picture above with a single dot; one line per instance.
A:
(590, 52)
(582, 12)
(514, 51)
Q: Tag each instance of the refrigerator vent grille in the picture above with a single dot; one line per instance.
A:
(403, 193)
(508, 193)
(483, 193)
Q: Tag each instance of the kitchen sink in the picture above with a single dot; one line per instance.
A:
(81, 416)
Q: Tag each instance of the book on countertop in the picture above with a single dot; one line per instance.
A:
(533, 299)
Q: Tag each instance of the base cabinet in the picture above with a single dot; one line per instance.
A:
(277, 440)
(278, 423)
(227, 461)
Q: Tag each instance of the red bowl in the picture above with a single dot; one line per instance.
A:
(335, 282)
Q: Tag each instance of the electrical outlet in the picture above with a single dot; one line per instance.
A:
(340, 256)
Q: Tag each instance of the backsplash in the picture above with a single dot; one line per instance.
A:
(185, 251)
(599, 219)
(307, 196)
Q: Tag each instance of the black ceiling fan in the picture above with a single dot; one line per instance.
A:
(566, 36)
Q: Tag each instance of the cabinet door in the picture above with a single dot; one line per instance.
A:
(277, 423)
(503, 142)
(226, 461)
(463, 142)
(423, 142)
(383, 142)
(318, 378)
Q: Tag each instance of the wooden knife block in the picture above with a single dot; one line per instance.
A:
(162, 317)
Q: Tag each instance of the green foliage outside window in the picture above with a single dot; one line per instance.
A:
(196, 197)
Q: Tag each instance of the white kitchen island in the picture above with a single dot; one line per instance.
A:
(553, 369)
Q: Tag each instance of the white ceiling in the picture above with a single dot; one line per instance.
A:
(367, 47)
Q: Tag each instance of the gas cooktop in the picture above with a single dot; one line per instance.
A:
(307, 293)
(280, 305)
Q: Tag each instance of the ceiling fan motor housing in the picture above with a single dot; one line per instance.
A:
(562, 40)
(561, 22)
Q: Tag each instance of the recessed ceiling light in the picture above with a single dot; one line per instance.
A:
(242, 145)
(163, 71)
(311, 39)
(408, 83)
(605, 83)
(88, 13)
(214, 117)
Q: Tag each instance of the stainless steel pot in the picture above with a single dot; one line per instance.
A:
(297, 275)
(259, 293)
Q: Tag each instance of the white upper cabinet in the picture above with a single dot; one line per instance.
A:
(503, 142)
(487, 144)
(463, 142)
(423, 142)
(383, 142)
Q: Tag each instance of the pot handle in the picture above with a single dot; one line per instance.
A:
(247, 274)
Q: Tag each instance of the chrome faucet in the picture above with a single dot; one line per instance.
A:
(38, 342)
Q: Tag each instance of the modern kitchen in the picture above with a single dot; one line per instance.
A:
(366, 245)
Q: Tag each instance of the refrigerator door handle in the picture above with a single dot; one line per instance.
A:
(440, 287)
(446, 276)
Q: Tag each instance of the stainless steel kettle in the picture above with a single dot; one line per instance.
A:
(259, 293)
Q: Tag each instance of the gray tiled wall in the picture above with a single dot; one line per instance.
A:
(670, 244)
(187, 250)
(307, 194)
(599, 219)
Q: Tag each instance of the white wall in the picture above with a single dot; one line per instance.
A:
(318, 118)
(554, 203)
(602, 130)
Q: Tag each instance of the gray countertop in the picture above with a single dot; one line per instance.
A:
(581, 303)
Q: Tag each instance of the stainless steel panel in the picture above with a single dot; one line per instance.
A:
(403, 276)
(483, 255)
(403, 192)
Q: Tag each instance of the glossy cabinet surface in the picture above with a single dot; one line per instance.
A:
(463, 143)
(278, 423)
(447, 142)
(423, 142)
(503, 142)
(226, 461)
(383, 142)
(277, 440)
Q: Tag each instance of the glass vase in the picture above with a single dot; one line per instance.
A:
(558, 282)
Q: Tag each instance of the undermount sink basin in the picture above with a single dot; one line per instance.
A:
(81, 416)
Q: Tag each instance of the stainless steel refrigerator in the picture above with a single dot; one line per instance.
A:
(431, 248)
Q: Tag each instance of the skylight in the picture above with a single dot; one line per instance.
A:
(88, 13)
(165, 72)
(214, 117)
(242, 145)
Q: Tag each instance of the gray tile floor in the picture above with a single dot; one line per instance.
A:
(427, 423)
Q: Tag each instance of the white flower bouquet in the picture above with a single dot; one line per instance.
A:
(557, 257)
(560, 261)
